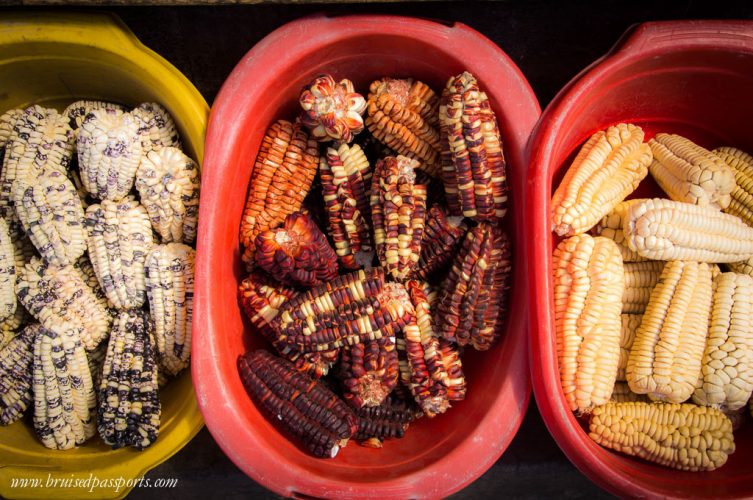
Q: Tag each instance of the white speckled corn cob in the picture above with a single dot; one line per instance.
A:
(156, 127)
(7, 273)
(15, 375)
(77, 111)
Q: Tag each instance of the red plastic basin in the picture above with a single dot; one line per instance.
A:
(692, 78)
(437, 456)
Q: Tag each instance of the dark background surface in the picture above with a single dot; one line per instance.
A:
(550, 41)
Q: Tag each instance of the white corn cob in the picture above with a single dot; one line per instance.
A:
(726, 380)
(169, 287)
(661, 229)
(7, 273)
(611, 226)
(741, 163)
(76, 112)
(109, 152)
(687, 172)
(609, 166)
(168, 183)
(744, 267)
(7, 120)
(120, 236)
(665, 360)
(588, 287)
(156, 127)
(15, 375)
(640, 279)
(630, 324)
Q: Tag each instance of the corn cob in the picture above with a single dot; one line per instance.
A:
(402, 114)
(332, 110)
(261, 299)
(665, 361)
(630, 324)
(346, 183)
(284, 170)
(55, 294)
(609, 166)
(726, 379)
(120, 236)
(369, 372)
(687, 172)
(15, 375)
(661, 229)
(473, 164)
(621, 393)
(156, 127)
(305, 407)
(681, 436)
(398, 212)
(17, 147)
(611, 226)
(443, 235)
(96, 362)
(388, 420)
(109, 152)
(744, 267)
(76, 112)
(640, 279)
(47, 146)
(741, 163)
(472, 303)
(588, 286)
(7, 120)
(169, 287)
(296, 253)
(64, 397)
(7, 273)
(129, 406)
(353, 308)
(89, 276)
(11, 326)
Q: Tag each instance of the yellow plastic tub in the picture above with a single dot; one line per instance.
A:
(53, 59)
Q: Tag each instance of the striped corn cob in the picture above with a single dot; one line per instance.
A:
(55, 294)
(741, 163)
(332, 110)
(109, 152)
(665, 361)
(129, 406)
(389, 420)
(630, 324)
(621, 393)
(283, 172)
(15, 375)
(473, 164)
(346, 184)
(640, 279)
(681, 436)
(305, 407)
(120, 236)
(368, 372)
(609, 166)
(168, 184)
(7, 273)
(77, 111)
(611, 226)
(726, 380)
(661, 229)
(64, 397)
(443, 235)
(398, 212)
(402, 114)
(261, 299)
(588, 286)
(687, 172)
(353, 308)
(156, 127)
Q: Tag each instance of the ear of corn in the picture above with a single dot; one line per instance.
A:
(611, 226)
(608, 168)
(681, 436)
(10, 327)
(744, 267)
(7, 273)
(687, 172)
(622, 394)
(15, 375)
(661, 229)
(369, 372)
(77, 111)
(588, 287)
(156, 127)
(332, 110)
(7, 120)
(741, 163)
(630, 324)
(665, 360)
(640, 279)
(388, 420)
(726, 379)
(443, 236)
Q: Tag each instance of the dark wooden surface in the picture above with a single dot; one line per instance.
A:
(550, 41)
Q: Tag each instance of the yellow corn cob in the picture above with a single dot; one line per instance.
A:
(681, 436)
(588, 285)
(608, 168)
(640, 279)
(622, 394)
(665, 360)
(611, 226)
(687, 172)
(741, 163)
(744, 267)
(726, 380)
(630, 324)
(662, 229)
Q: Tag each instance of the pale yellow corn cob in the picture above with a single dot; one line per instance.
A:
(588, 286)
(640, 279)
(726, 380)
(687, 172)
(681, 436)
(741, 163)
(608, 168)
(630, 324)
(622, 394)
(665, 360)
(611, 226)
(662, 229)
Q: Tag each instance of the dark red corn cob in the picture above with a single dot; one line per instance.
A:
(369, 372)
(389, 420)
(305, 407)
(442, 237)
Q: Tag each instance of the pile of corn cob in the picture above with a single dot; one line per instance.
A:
(654, 308)
(99, 208)
(407, 264)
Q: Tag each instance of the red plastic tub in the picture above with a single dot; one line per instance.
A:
(438, 456)
(692, 78)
